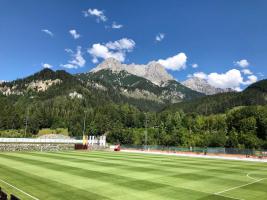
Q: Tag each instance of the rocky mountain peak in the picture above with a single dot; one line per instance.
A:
(153, 71)
(201, 85)
(110, 63)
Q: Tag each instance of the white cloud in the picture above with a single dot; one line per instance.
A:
(247, 72)
(201, 75)
(116, 26)
(74, 34)
(116, 49)
(195, 65)
(174, 63)
(48, 32)
(160, 37)
(260, 74)
(230, 79)
(124, 43)
(99, 14)
(242, 63)
(68, 50)
(77, 59)
(46, 65)
(251, 79)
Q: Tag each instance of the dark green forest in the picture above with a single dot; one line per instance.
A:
(225, 120)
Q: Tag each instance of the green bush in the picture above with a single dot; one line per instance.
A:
(45, 131)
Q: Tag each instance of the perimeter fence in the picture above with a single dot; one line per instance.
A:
(261, 153)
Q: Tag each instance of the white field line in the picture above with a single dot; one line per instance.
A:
(240, 186)
(19, 190)
(228, 197)
(205, 156)
(248, 175)
(197, 156)
(209, 193)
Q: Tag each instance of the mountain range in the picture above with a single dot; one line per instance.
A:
(148, 87)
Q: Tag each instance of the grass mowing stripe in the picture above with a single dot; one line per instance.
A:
(205, 170)
(144, 177)
(137, 169)
(27, 194)
(104, 163)
(180, 165)
(92, 174)
(171, 159)
(187, 177)
(158, 163)
(140, 185)
(42, 185)
(187, 159)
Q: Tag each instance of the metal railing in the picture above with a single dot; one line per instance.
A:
(92, 140)
(39, 140)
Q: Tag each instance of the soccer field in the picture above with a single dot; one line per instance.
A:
(119, 175)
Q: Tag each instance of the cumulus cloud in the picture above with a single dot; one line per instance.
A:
(201, 75)
(195, 65)
(116, 49)
(116, 26)
(74, 34)
(122, 44)
(230, 79)
(174, 63)
(77, 59)
(46, 65)
(242, 63)
(48, 32)
(160, 37)
(247, 72)
(251, 79)
(99, 14)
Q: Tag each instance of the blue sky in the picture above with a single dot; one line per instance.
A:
(226, 40)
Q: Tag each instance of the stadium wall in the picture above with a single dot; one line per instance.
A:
(35, 147)
(51, 144)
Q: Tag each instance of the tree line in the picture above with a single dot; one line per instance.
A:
(240, 127)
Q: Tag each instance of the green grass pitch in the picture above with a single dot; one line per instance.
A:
(128, 176)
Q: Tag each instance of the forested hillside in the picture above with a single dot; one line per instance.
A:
(255, 94)
(56, 100)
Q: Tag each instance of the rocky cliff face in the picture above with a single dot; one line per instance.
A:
(153, 71)
(201, 85)
(36, 85)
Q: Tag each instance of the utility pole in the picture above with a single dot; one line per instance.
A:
(26, 121)
(84, 121)
(145, 131)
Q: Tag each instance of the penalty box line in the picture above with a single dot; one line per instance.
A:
(19, 189)
(240, 186)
